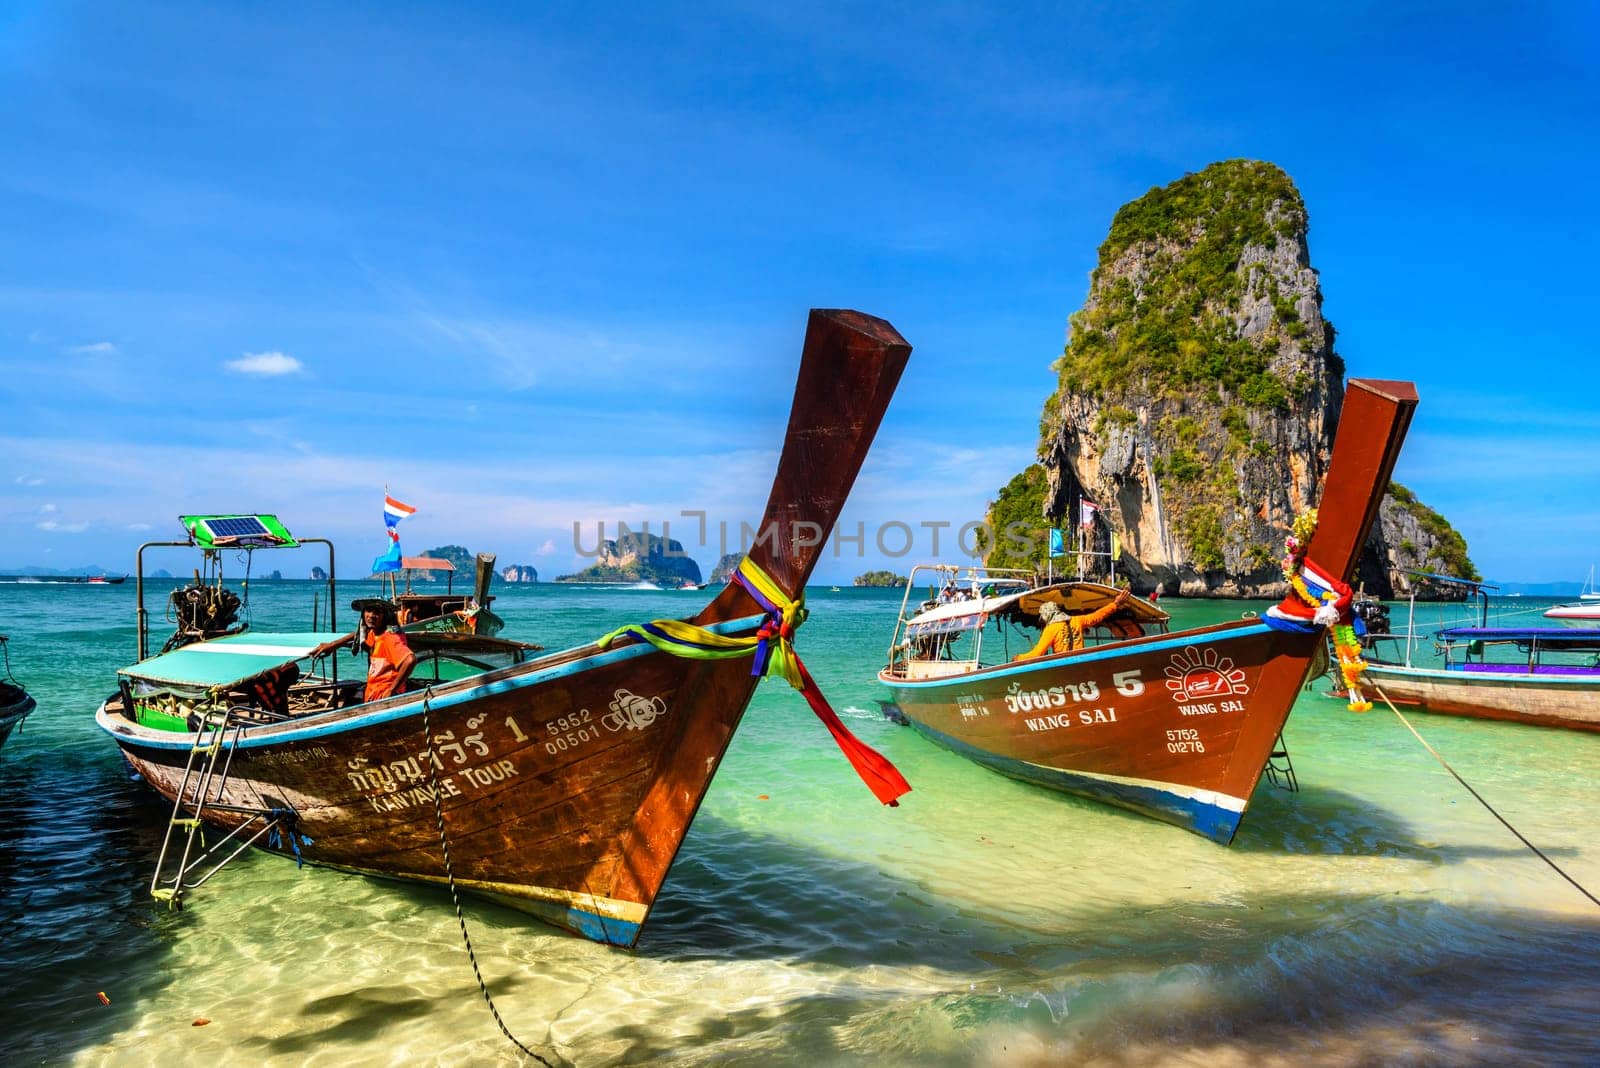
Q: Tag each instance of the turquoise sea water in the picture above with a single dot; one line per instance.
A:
(1377, 916)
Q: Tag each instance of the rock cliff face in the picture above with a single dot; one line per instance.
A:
(1198, 392)
(519, 573)
(725, 568)
(640, 557)
(1410, 536)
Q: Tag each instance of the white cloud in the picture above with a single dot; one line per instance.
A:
(138, 526)
(29, 480)
(62, 528)
(547, 548)
(47, 508)
(96, 348)
(266, 364)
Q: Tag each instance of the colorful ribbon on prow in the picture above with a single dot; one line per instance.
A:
(772, 647)
(1316, 600)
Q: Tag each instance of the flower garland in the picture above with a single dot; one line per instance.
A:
(1345, 643)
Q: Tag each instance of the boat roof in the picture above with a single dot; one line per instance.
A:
(1550, 637)
(1075, 597)
(229, 661)
(426, 563)
(238, 530)
(1452, 580)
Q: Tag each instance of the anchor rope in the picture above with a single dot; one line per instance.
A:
(449, 875)
(1480, 798)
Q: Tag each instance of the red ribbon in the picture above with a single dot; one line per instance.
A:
(881, 777)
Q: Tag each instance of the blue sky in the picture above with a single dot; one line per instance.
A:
(538, 265)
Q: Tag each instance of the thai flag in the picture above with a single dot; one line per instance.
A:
(1086, 511)
(394, 511)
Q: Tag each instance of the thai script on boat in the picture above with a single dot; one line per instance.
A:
(1128, 683)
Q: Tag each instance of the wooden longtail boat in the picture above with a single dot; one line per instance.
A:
(1177, 726)
(1544, 676)
(566, 782)
(15, 704)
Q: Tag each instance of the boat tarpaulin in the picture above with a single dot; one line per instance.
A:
(227, 662)
(1570, 638)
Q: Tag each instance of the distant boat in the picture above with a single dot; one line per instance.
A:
(562, 785)
(1176, 726)
(1589, 593)
(833, 589)
(15, 704)
(72, 580)
(1544, 676)
(1575, 613)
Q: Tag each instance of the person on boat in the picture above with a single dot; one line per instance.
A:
(1064, 632)
(389, 658)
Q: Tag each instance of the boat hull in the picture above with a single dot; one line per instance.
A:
(565, 783)
(1546, 699)
(1177, 727)
(1581, 615)
(14, 711)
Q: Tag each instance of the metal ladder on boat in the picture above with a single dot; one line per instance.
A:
(1282, 774)
(211, 741)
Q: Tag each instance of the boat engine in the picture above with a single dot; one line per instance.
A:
(200, 612)
(1374, 614)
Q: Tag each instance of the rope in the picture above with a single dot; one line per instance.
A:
(1446, 764)
(449, 874)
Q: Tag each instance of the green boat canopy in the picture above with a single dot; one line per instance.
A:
(227, 662)
(238, 531)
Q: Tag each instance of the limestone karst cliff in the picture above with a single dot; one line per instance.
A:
(1197, 395)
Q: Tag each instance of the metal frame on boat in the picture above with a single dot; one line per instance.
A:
(564, 785)
(1176, 726)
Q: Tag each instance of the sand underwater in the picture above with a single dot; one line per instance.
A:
(1377, 916)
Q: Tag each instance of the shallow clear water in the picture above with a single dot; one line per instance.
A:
(1379, 915)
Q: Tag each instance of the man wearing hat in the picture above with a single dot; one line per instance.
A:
(1064, 633)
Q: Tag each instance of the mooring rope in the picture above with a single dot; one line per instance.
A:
(449, 875)
(1446, 764)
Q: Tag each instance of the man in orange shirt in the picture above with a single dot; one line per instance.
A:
(389, 658)
(1064, 633)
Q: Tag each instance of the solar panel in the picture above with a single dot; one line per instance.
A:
(240, 526)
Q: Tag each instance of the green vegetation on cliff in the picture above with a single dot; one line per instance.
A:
(1172, 322)
(1021, 529)
(1448, 553)
(880, 578)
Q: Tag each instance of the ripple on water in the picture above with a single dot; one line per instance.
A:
(1377, 916)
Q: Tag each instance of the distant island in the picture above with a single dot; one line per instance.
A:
(641, 557)
(879, 578)
(725, 568)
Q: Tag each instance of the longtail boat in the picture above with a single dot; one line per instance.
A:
(564, 784)
(15, 704)
(1544, 676)
(1178, 726)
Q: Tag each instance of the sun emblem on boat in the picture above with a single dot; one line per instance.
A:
(1194, 676)
(635, 713)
